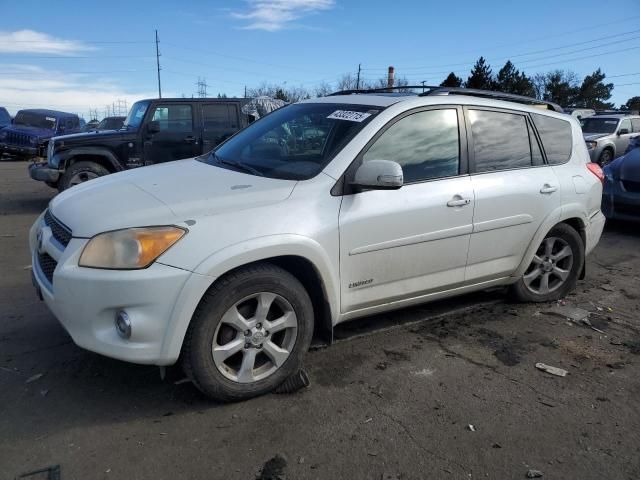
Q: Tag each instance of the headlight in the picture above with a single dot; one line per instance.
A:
(129, 249)
(591, 145)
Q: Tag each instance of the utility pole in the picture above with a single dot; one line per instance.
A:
(358, 80)
(158, 64)
(245, 91)
(423, 82)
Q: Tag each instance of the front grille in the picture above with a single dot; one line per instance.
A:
(630, 186)
(60, 231)
(15, 138)
(47, 265)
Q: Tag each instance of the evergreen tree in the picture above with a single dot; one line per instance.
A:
(562, 88)
(632, 104)
(511, 80)
(452, 81)
(594, 93)
(481, 76)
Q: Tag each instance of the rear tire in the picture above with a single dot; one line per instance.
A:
(555, 268)
(249, 333)
(81, 172)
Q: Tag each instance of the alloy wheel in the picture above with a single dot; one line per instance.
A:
(550, 268)
(254, 337)
(82, 177)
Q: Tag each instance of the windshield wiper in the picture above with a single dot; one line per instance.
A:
(240, 166)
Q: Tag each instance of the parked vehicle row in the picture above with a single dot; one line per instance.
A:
(621, 197)
(155, 131)
(607, 136)
(321, 212)
(29, 133)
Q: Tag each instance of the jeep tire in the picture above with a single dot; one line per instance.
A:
(81, 172)
(249, 333)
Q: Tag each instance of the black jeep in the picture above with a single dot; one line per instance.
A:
(155, 131)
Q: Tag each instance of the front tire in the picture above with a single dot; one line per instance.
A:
(249, 333)
(555, 267)
(81, 172)
(606, 157)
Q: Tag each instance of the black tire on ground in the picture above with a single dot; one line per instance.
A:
(605, 157)
(197, 356)
(568, 237)
(81, 172)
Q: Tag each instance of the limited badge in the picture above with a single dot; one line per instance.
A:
(349, 116)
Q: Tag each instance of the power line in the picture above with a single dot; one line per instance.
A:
(39, 74)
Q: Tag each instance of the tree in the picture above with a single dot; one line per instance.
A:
(481, 76)
(561, 87)
(348, 82)
(452, 80)
(222, 95)
(511, 80)
(323, 89)
(594, 93)
(632, 104)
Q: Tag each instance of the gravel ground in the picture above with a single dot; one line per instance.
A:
(446, 390)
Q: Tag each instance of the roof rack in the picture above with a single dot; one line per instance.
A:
(428, 90)
(383, 90)
(508, 97)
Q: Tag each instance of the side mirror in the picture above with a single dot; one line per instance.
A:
(153, 127)
(623, 131)
(379, 175)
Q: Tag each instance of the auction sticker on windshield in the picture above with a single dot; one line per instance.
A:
(348, 115)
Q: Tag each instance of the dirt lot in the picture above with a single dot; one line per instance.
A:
(394, 398)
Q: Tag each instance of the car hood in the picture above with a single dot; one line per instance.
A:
(169, 193)
(92, 135)
(594, 136)
(31, 131)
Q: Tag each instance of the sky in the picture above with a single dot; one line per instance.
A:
(82, 56)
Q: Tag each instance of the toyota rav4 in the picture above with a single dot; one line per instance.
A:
(321, 212)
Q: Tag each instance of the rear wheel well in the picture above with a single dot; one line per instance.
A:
(308, 275)
(578, 226)
(85, 157)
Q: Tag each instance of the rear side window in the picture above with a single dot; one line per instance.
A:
(500, 141)
(425, 144)
(635, 122)
(216, 117)
(556, 138)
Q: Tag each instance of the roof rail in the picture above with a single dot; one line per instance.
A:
(383, 89)
(508, 97)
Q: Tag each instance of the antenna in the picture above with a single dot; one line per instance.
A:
(158, 64)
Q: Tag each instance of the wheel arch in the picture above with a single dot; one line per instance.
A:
(101, 156)
(306, 265)
(571, 215)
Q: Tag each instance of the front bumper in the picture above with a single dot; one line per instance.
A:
(20, 150)
(42, 173)
(86, 300)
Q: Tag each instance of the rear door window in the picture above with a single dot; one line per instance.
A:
(635, 123)
(500, 140)
(556, 138)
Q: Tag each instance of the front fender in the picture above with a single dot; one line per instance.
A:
(59, 160)
(558, 215)
(237, 255)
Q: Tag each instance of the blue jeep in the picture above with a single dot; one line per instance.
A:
(31, 130)
(5, 118)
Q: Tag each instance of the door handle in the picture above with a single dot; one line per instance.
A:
(546, 188)
(190, 139)
(458, 201)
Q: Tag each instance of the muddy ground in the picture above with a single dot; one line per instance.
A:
(394, 398)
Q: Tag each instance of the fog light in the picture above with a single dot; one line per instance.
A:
(123, 324)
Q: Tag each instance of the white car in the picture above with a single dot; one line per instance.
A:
(323, 211)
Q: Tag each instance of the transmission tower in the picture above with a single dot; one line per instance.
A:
(202, 87)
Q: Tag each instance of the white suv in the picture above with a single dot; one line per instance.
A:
(323, 211)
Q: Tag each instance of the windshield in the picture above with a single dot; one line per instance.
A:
(30, 119)
(599, 125)
(136, 114)
(294, 142)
